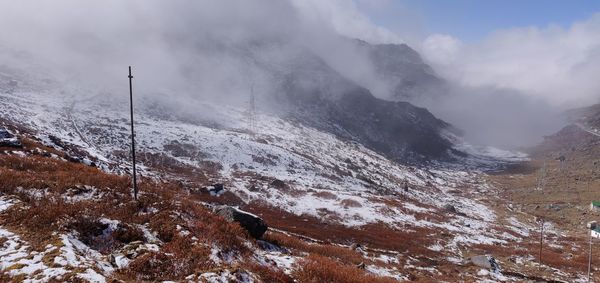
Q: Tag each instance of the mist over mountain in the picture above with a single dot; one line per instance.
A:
(295, 67)
(402, 70)
(290, 141)
(182, 52)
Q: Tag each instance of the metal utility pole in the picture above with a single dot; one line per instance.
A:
(542, 178)
(252, 111)
(541, 240)
(135, 188)
(590, 258)
(591, 179)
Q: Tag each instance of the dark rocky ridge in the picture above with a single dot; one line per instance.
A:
(315, 94)
(405, 72)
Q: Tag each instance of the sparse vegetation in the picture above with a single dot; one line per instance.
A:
(327, 250)
(47, 192)
(178, 258)
(316, 269)
(41, 184)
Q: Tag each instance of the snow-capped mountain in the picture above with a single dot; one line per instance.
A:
(314, 147)
(309, 163)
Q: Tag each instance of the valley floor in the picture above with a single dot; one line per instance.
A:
(559, 193)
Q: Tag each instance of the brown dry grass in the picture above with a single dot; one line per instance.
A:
(569, 185)
(178, 258)
(269, 274)
(344, 254)
(36, 218)
(317, 269)
(375, 235)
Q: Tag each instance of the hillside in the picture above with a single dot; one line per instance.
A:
(67, 221)
(343, 194)
(353, 188)
(586, 116)
(560, 193)
(313, 93)
(298, 141)
(330, 169)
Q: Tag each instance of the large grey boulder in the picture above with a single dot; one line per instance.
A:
(486, 261)
(255, 226)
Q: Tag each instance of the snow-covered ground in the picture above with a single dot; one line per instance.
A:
(269, 160)
(60, 259)
(322, 175)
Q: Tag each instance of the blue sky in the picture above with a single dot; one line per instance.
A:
(470, 20)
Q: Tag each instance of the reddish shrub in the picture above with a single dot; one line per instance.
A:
(269, 274)
(319, 269)
(344, 254)
(178, 258)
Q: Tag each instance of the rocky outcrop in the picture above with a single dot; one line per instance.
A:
(485, 261)
(315, 94)
(403, 70)
(398, 130)
(7, 139)
(255, 226)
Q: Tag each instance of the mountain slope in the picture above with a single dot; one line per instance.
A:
(326, 162)
(407, 76)
(315, 94)
(588, 118)
(338, 188)
(398, 130)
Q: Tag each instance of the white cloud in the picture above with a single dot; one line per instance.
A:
(345, 18)
(441, 48)
(559, 65)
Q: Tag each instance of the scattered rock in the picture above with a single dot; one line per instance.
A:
(216, 190)
(270, 247)
(55, 140)
(486, 261)
(255, 226)
(278, 184)
(405, 185)
(7, 139)
(124, 255)
(481, 261)
(554, 206)
(355, 246)
(450, 208)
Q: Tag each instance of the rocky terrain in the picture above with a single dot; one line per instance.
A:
(326, 200)
(314, 180)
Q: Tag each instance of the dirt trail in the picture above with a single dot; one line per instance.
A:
(593, 132)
